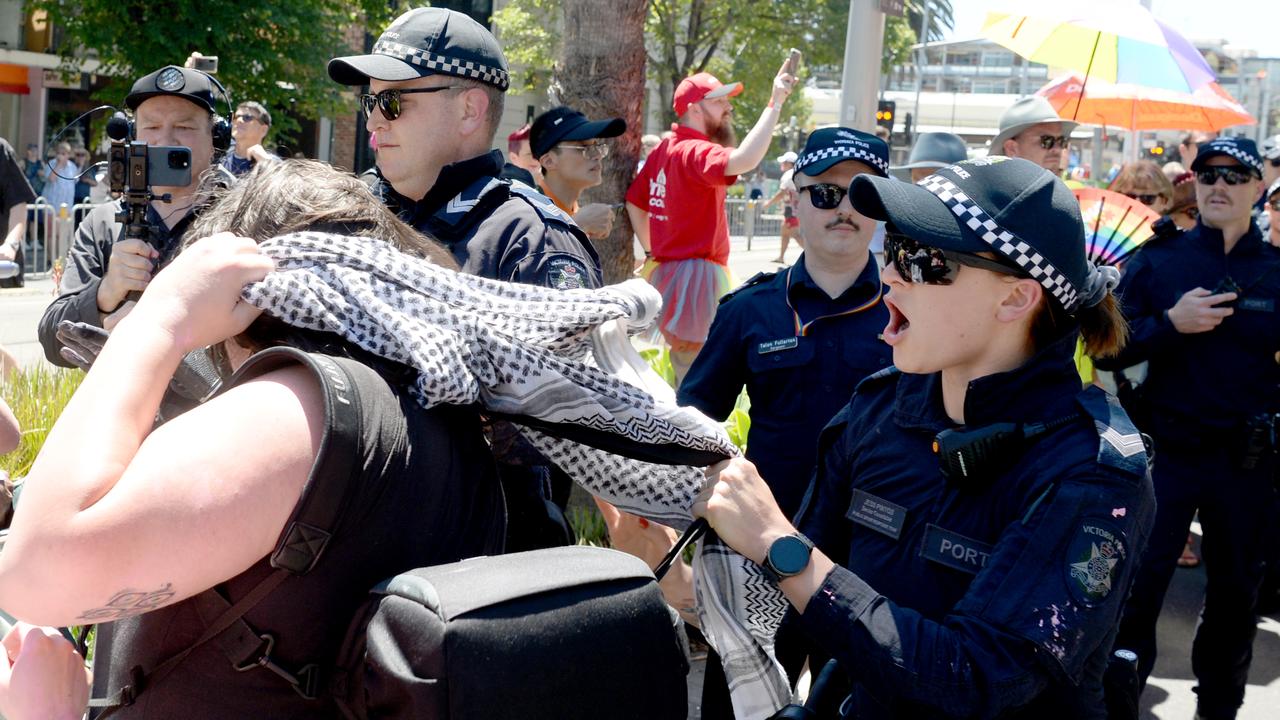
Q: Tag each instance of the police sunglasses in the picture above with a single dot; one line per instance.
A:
(917, 263)
(1048, 141)
(824, 196)
(389, 100)
(1234, 175)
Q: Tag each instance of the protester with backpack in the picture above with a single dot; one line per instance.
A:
(117, 520)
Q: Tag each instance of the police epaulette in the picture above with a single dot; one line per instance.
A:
(541, 203)
(1163, 229)
(1120, 445)
(755, 280)
(878, 377)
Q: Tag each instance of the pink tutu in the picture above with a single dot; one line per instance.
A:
(691, 289)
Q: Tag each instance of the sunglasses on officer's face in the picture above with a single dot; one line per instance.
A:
(1048, 141)
(1233, 174)
(388, 101)
(824, 196)
(917, 263)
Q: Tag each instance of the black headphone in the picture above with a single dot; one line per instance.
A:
(221, 126)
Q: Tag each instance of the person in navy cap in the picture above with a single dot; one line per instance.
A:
(570, 150)
(799, 339)
(975, 518)
(171, 106)
(437, 83)
(1203, 307)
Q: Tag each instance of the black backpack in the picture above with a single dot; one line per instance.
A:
(558, 633)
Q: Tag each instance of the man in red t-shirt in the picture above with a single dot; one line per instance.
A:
(676, 204)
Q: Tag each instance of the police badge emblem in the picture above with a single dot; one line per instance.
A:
(1094, 559)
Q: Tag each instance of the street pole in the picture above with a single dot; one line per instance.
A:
(860, 82)
(922, 57)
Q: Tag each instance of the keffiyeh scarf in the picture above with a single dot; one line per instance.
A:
(541, 355)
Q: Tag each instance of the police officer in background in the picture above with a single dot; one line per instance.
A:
(985, 581)
(799, 340)
(1203, 308)
(171, 106)
(437, 82)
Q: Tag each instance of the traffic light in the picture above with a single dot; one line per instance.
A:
(885, 112)
(1157, 152)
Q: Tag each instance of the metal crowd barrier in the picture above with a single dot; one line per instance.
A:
(746, 219)
(49, 233)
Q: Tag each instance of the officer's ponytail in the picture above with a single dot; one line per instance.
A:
(1102, 326)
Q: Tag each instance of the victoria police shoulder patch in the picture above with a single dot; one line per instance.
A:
(566, 273)
(1095, 557)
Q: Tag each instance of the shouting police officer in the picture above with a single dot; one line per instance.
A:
(171, 106)
(1203, 310)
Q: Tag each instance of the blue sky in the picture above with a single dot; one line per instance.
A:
(1248, 23)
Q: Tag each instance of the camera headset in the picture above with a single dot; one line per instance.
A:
(169, 80)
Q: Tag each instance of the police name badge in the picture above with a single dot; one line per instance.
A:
(954, 550)
(566, 273)
(876, 513)
(775, 345)
(1094, 560)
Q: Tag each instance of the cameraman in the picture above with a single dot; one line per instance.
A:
(171, 106)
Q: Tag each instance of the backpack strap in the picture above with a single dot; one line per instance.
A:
(307, 533)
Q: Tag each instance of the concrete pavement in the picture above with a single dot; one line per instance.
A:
(1168, 696)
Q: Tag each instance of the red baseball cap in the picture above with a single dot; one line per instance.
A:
(699, 87)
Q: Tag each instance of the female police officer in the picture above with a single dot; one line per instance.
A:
(978, 572)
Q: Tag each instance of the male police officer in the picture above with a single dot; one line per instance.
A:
(802, 338)
(171, 106)
(437, 82)
(1203, 311)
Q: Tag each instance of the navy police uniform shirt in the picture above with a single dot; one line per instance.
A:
(799, 353)
(1213, 380)
(499, 229)
(998, 596)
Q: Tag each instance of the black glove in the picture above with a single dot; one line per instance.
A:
(195, 379)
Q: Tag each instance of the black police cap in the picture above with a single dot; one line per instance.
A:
(1008, 206)
(427, 41)
(563, 123)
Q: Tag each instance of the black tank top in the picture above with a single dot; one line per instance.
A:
(428, 494)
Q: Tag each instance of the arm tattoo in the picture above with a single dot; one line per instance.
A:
(129, 602)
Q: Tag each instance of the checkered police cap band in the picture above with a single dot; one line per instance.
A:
(1245, 158)
(443, 64)
(1003, 241)
(844, 152)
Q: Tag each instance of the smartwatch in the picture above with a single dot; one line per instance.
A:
(787, 556)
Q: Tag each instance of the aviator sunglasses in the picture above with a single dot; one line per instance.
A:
(389, 100)
(1234, 175)
(917, 263)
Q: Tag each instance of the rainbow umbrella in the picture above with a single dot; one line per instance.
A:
(1114, 225)
(1117, 42)
(1134, 107)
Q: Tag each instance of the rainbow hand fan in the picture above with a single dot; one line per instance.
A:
(1114, 225)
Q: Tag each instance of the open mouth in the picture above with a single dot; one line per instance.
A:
(898, 323)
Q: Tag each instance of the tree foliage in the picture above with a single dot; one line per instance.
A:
(271, 51)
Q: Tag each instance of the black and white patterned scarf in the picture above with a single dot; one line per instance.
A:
(541, 355)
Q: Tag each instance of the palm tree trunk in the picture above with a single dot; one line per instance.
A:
(602, 73)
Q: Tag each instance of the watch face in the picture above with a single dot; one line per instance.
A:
(788, 555)
(171, 80)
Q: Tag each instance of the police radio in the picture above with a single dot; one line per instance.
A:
(971, 459)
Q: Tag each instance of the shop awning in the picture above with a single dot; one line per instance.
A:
(13, 79)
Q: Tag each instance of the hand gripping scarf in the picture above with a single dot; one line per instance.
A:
(535, 356)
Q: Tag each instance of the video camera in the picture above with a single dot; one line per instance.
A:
(133, 168)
